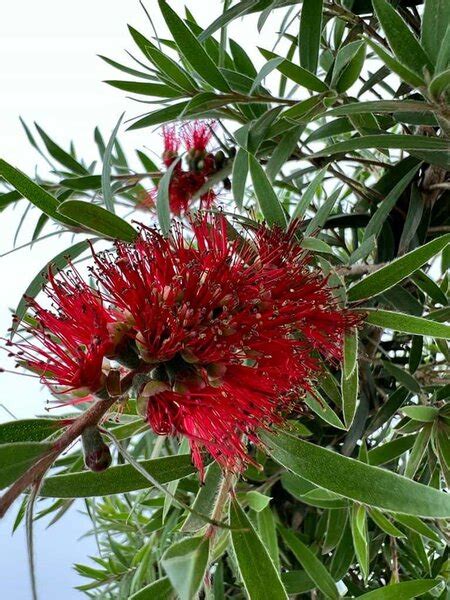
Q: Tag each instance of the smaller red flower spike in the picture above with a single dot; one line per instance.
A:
(201, 164)
(71, 340)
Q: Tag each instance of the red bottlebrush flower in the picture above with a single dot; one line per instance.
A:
(70, 341)
(186, 183)
(230, 330)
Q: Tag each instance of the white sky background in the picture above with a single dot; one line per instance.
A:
(49, 73)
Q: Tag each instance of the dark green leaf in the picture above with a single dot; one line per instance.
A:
(401, 591)
(98, 219)
(61, 155)
(16, 458)
(158, 590)
(392, 140)
(397, 270)
(408, 324)
(108, 195)
(191, 49)
(163, 115)
(28, 430)
(311, 564)
(255, 566)
(116, 480)
(404, 44)
(310, 34)
(81, 184)
(356, 480)
(146, 89)
(185, 563)
(297, 74)
(267, 199)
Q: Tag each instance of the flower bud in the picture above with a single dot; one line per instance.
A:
(97, 456)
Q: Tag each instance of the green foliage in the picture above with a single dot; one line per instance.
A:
(344, 126)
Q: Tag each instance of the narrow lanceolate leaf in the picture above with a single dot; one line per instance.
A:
(63, 157)
(406, 142)
(318, 405)
(162, 115)
(108, 195)
(435, 20)
(378, 107)
(146, 89)
(267, 199)
(28, 430)
(191, 49)
(402, 591)
(16, 458)
(381, 214)
(98, 219)
(311, 564)
(33, 192)
(163, 199)
(403, 42)
(255, 566)
(397, 270)
(283, 151)
(407, 323)
(356, 480)
(358, 523)
(185, 563)
(310, 33)
(350, 389)
(297, 74)
(158, 590)
(406, 74)
(309, 194)
(116, 480)
(58, 262)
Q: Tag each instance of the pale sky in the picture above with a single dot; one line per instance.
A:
(49, 73)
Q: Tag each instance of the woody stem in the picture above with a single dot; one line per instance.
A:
(88, 419)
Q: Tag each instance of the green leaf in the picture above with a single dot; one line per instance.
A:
(404, 44)
(163, 115)
(173, 485)
(418, 526)
(61, 155)
(239, 178)
(166, 65)
(267, 199)
(268, 533)
(322, 409)
(358, 524)
(163, 199)
(283, 151)
(435, 21)
(204, 501)
(16, 458)
(158, 590)
(401, 376)
(310, 33)
(309, 194)
(439, 84)
(98, 219)
(28, 430)
(255, 566)
(401, 591)
(417, 451)
(89, 182)
(426, 414)
(33, 192)
(407, 323)
(267, 68)
(397, 270)
(443, 58)
(33, 289)
(381, 214)
(297, 74)
(146, 89)
(311, 564)
(191, 49)
(116, 480)
(397, 67)
(356, 480)
(391, 140)
(378, 107)
(185, 563)
(108, 195)
(390, 450)
(323, 213)
(350, 390)
(384, 524)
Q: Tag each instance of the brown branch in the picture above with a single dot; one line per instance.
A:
(90, 418)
